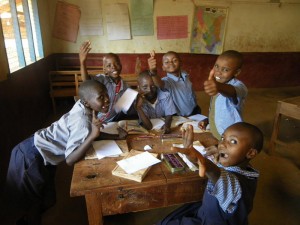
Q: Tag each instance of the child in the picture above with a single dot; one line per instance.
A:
(111, 78)
(177, 82)
(228, 93)
(153, 103)
(228, 198)
(30, 183)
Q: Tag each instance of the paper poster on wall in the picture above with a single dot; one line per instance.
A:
(66, 21)
(172, 27)
(117, 21)
(141, 17)
(91, 17)
(208, 30)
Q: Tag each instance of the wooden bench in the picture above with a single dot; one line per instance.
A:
(66, 83)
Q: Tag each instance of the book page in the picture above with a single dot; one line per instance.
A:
(106, 148)
(137, 162)
(132, 127)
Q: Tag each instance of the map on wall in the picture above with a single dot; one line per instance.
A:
(208, 30)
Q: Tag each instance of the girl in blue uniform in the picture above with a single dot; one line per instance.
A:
(228, 198)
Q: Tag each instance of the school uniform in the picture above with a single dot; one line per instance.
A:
(227, 202)
(115, 91)
(224, 112)
(182, 93)
(31, 171)
(162, 107)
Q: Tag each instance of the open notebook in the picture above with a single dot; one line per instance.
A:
(131, 126)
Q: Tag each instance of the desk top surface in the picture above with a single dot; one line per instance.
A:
(96, 175)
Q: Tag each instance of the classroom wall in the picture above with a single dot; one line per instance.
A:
(252, 26)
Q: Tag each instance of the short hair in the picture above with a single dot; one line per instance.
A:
(111, 55)
(143, 74)
(256, 134)
(172, 52)
(88, 87)
(234, 54)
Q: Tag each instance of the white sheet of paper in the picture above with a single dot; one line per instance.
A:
(110, 128)
(137, 162)
(157, 123)
(91, 17)
(117, 21)
(126, 100)
(197, 117)
(106, 148)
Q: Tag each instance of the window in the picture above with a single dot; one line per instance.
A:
(21, 30)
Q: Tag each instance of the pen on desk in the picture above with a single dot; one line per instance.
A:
(166, 136)
(143, 137)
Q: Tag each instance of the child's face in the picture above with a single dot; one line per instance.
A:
(171, 63)
(147, 88)
(235, 146)
(112, 66)
(99, 101)
(225, 69)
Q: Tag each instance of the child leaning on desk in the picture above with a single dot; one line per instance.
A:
(230, 191)
(177, 82)
(152, 103)
(111, 78)
(30, 186)
(227, 93)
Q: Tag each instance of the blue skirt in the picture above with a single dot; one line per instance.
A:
(29, 182)
(185, 215)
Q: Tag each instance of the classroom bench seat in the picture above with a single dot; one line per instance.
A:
(66, 83)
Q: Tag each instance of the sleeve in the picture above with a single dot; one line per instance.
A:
(227, 190)
(241, 91)
(169, 106)
(79, 127)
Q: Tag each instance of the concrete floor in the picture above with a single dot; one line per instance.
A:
(277, 200)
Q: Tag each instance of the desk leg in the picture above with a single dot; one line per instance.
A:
(275, 129)
(94, 209)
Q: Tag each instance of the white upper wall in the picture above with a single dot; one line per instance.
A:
(252, 26)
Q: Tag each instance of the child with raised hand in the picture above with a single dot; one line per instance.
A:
(228, 93)
(232, 181)
(153, 103)
(176, 82)
(111, 78)
(30, 183)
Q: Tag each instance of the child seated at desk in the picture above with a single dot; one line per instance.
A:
(30, 185)
(227, 93)
(153, 103)
(177, 83)
(111, 78)
(229, 194)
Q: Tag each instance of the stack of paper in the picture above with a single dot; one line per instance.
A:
(135, 165)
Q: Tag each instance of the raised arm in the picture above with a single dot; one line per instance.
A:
(212, 87)
(167, 125)
(83, 52)
(143, 117)
(153, 70)
(206, 167)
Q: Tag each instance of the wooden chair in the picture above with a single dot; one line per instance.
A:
(62, 84)
(130, 79)
(65, 84)
(72, 63)
(288, 107)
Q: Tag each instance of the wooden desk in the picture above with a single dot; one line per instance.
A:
(106, 194)
(289, 107)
